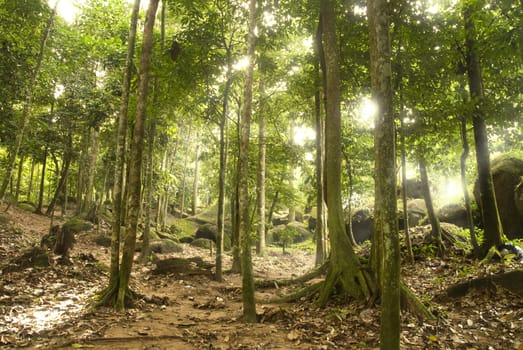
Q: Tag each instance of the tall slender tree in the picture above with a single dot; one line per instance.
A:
(489, 210)
(108, 295)
(249, 303)
(30, 91)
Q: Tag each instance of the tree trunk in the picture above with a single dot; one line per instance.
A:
(320, 231)
(108, 296)
(464, 188)
(489, 212)
(89, 200)
(31, 178)
(135, 162)
(404, 192)
(249, 304)
(235, 208)
(146, 249)
(13, 154)
(67, 157)
(386, 253)
(42, 183)
(344, 274)
(220, 222)
(19, 177)
(196, 177)
(433, 218)
(260, 247)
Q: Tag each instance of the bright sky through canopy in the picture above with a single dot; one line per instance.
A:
(68, 9)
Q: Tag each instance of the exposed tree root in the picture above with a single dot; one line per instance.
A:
(411, 302)
(288, 282)
(307, 292)
(512, 281)
(108, 296)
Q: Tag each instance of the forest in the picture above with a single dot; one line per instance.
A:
(271, 174)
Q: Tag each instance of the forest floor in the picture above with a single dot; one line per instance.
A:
(48, 307)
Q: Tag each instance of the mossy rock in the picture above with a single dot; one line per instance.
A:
(76, 225)
(27, 206)
(165, 246)
(35, 257)
(202, 243)
(103, 240)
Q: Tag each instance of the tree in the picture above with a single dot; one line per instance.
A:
(345, 270)
(249, 304)
(489, 211)
(30, 90)
(385, 249)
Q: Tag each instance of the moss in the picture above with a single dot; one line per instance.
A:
(202, 243)
(77, 225)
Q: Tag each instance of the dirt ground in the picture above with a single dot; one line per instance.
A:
(49, 307)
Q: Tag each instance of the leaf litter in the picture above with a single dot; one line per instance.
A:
(48, 307)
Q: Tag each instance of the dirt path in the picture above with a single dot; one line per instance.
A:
(47, 308)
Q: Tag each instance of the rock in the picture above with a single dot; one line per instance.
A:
(507, 172)
(103, 240)
(453, 213)
(164, 246)
(362, 221)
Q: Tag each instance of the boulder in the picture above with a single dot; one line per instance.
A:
(414, 189)
(362, 221)
(507, 172)
(209, 231)
(164, 246)
(453, 213)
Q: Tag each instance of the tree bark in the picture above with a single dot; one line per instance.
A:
(89, 200)
(135, 165)
(196, 177)
(433, 218)
(148, 197)
(260, 247)
(463, 171)
(249, 304)
(119, 173)
(489, 212)
(42, 183)
(344, 267)
(224, 123)
(67, 157)
(386, 253)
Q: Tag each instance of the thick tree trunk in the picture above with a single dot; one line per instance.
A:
(13, 154)
(344, 267)
(489, 212)
(135, 166)
(386, 253)
(249, 303)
